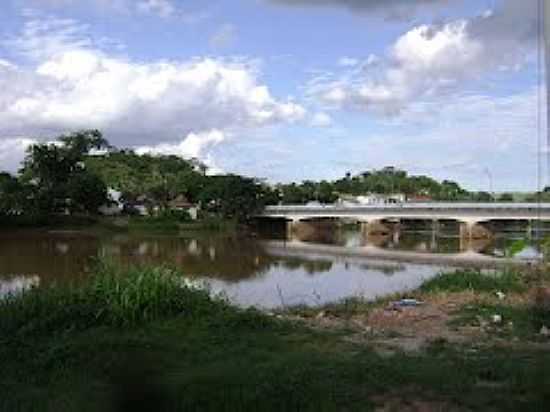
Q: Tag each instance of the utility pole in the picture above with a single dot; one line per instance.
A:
(490, 176)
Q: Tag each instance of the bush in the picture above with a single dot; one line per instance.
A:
(109, 298)
(506, 281)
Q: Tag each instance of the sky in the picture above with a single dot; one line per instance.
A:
(285, 90)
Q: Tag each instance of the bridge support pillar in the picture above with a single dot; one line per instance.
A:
(291, 226)
(474, 230)
(436, 227)
(375, 228)
(530, 228)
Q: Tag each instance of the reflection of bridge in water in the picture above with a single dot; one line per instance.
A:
(473, 218)
(469, 258)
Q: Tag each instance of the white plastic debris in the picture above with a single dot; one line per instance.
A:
(408, 302)
(497, 319)
(544, 331)
(500, 295)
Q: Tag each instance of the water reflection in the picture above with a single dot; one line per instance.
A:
(11, 285)
(443, 240)
(242, 267)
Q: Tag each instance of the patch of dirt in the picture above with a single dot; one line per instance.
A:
(409, 401)
(390, 328)
(411, 328)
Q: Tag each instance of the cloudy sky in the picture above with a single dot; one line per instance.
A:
(282, 89)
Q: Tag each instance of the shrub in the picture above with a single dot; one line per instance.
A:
(506, 281)
(111, 297)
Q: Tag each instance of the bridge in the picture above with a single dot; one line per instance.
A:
(379, 218)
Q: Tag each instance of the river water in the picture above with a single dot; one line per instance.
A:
(265, 270)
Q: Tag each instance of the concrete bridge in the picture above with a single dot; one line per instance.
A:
(380, 218)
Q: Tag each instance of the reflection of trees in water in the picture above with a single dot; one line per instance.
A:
(309, 266)
(232, 258)
(10, 285)
(226, 257)
(51, 256)
(388, 270)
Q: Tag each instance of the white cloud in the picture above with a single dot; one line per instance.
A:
(225, 36)
(12, 151)
(195, 145)
(321, 120)
(163, 8)
(43, 38)
(348, 62)
(429, 60)
(72, 84)
(160, 8)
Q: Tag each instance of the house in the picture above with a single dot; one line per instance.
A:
(421, 198)
(115, 205)
(372, 199)
(182, 204)
(141, 205)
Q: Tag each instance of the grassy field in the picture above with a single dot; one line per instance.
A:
(144, 340)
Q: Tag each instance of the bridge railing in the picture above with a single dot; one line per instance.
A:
(416, 210)
(415, 206)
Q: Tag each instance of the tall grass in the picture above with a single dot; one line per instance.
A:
(111, 297)
(505, 281)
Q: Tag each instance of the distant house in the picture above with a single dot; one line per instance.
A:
(115, 205)
(181, 203)
(372, 199)
(140, 205)
(419, 199)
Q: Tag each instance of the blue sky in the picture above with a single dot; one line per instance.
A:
(282, 89)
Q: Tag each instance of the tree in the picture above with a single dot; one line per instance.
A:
(483, 197)
(12, 196)
(87, 193)
(59, 177)
(233, 196)
(506, 197)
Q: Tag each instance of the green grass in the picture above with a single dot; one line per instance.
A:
(521, 321)
(506, 281)
(171, 225)
(109, 298)
(139, 339)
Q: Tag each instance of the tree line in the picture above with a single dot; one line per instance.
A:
(73, 174)
(387, 181)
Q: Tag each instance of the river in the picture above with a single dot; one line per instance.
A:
(267, 270)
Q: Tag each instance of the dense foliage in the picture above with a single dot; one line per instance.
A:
(386, 181)
(72, 176)
(54, 179)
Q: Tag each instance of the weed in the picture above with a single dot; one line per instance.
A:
(506, 281)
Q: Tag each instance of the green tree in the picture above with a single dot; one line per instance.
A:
(12, 195)
(56, 173)
(506, 197)
(87, 193)
(233, 196)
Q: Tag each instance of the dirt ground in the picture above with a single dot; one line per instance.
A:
(391, 327)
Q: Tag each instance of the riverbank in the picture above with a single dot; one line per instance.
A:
(140, 224)
(509, 308)
(141, 339)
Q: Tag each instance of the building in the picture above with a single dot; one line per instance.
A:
(372, 199)
(115, 205)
